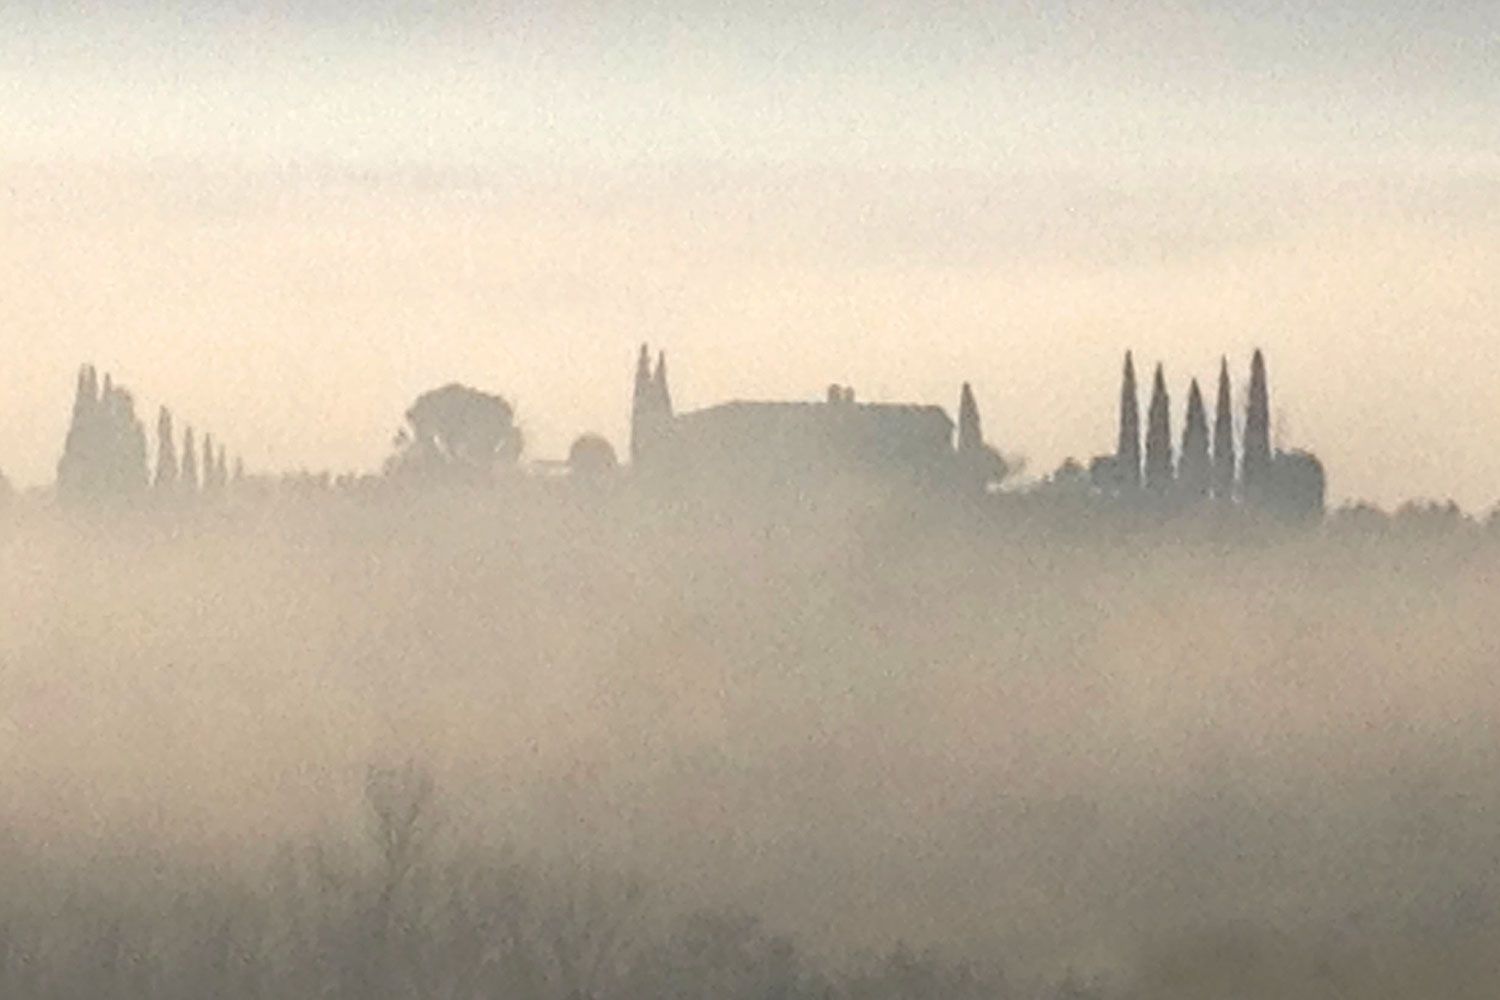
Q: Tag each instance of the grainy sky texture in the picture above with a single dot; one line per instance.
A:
(287, 220)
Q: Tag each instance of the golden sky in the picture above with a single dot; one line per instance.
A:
(287, 225)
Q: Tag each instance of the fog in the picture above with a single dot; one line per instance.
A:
(864, 740)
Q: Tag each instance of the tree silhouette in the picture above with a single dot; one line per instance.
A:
(642, 406)
(167, 470)
(1223, 457)
(210, 473)
(456, 432)
(1298, 486)
(1193, 471)
(660, 391)
(1128, 452)
(1159, 474)
(81, 447)
(591, 458)
(104, 454)
(970, 433)
(1256, 468)
(189, 479)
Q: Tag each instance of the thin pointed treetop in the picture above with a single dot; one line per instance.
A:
(189, 477)
(640, 404)
(1159, 468)
(970, 431)
(1256, 464)
(1128, 450)
(659, 384)
(167, 470)
(1193, 470)
(1224, 461)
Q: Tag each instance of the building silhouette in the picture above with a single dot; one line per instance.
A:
(771, 444)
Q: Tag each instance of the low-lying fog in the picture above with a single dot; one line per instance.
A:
(1099, 761)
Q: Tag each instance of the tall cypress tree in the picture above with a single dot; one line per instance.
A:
(167, 469)
(641, 408)
(210, 479)
(1256, 468)
(78, 468)
(1193, 471)
(189, 477)
(130, 471)
(1224, 458)
(662, 395)
(1159, 473)
(1128, 450)
(970, 432)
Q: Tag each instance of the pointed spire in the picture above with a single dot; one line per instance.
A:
(970, 432)
(1256, 465)
(1194, 473)
(1128, 450)
(167, 470)
(1159, 471)
(1223, 457)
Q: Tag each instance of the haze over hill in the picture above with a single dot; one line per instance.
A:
(367, 633)
(252, 212)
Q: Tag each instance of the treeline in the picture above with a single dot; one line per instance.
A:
(1210, 464)
(402, 909)
(105, 456)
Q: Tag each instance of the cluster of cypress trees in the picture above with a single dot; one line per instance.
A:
(104, 457)
(1207, 466)
(191, 475)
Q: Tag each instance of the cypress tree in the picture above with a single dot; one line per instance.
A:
(1159, 474)
(104, 456)
(1128, 450)
(662, 396)
(210, 476)
(640, 405)
(189, 477)
(166, 453)
(970, 432)
(1224, 458)
(130, 471)
(77, 469)
(1256, 468)
(1193, 471)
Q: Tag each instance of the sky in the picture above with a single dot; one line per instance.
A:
(285, 221)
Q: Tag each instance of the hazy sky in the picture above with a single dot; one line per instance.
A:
(286, 220)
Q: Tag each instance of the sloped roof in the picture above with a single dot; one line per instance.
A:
(894, 413)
